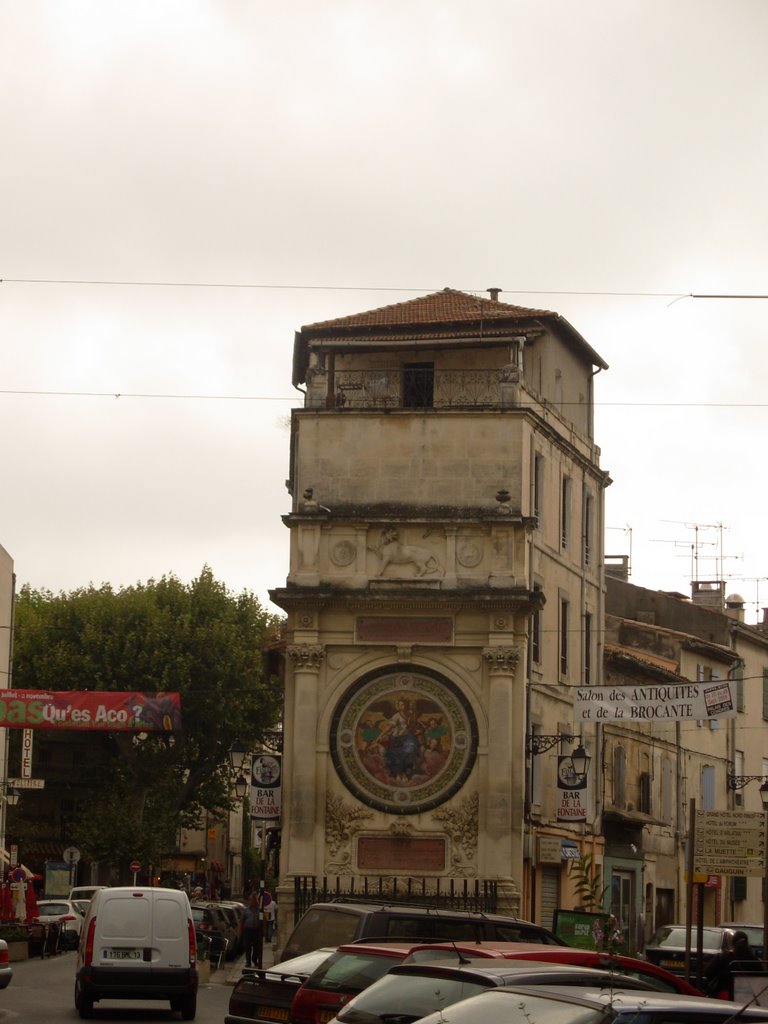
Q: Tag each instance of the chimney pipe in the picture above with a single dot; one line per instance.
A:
(494, 293)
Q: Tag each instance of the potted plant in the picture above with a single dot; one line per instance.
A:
(17, 939)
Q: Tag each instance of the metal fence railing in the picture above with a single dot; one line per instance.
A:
(447, 894)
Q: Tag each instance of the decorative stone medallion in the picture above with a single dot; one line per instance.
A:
(343, 553)
(403, 740)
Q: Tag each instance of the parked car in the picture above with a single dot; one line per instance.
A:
(266, 995)
(655, 976)
(6, 971)
(341, 922)
(64, 914)
(234, 916)
(411, 991)
(211, 920)
(667, 947)
(519, 1004)
(341, 976)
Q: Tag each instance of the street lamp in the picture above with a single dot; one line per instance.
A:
(237, 755)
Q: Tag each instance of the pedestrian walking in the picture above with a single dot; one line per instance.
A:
(718, 974)
(252, 927)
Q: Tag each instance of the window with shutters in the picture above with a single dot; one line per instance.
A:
(565, 512)
(588, 530)
(667, 790)
(619, 778)
(644, 793)
(536, 629)
(538, 486)
(587, 648)
(708, 788)
(564, 614)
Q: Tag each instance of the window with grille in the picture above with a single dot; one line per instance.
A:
(418, 385)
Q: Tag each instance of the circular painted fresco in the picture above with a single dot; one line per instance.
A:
(403, 740)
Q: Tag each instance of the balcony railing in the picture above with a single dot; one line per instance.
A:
(417, 388)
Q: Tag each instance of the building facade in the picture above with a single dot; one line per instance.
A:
(444, 592)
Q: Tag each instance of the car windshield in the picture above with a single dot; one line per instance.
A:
(322, 928)
(350, 972)
(303, 965)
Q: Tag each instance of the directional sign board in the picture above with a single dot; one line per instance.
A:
(729, 843)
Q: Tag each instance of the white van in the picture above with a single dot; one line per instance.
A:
(137, 943)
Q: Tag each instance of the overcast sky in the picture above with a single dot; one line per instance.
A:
(236, 169)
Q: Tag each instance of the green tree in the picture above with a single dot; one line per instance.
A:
(199, 640)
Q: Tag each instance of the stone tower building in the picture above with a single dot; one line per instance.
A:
(445, 585)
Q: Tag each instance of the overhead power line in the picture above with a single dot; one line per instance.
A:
(676, 296)
(299, 394)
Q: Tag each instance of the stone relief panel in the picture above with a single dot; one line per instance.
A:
(461, 822)
(342, 822)
(397, 556)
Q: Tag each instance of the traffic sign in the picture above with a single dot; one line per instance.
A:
(729, 843)
(72, 855)
(135, 866)
(26, 783)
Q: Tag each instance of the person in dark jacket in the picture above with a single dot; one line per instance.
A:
(253, 930)
(718, 974)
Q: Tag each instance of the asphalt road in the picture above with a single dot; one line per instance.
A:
(41, 992)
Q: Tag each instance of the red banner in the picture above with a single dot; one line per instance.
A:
(90, 709)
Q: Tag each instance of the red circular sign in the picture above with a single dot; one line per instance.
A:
(135, 866)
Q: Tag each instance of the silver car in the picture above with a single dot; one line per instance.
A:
(566, 1005)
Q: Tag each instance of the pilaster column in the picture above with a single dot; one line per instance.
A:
(306, 660)
(505, 738)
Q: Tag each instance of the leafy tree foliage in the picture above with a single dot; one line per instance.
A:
(199, 640)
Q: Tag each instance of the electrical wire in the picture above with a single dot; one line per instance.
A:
(675, 296)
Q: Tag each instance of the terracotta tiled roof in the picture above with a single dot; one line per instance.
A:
(634, 654)
(447, 306)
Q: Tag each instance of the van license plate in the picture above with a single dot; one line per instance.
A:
(122, 954)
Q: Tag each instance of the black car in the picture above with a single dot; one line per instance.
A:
(667, 947)
(266, 995)
(342, 922)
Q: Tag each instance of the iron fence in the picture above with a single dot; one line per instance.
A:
(448, 894)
